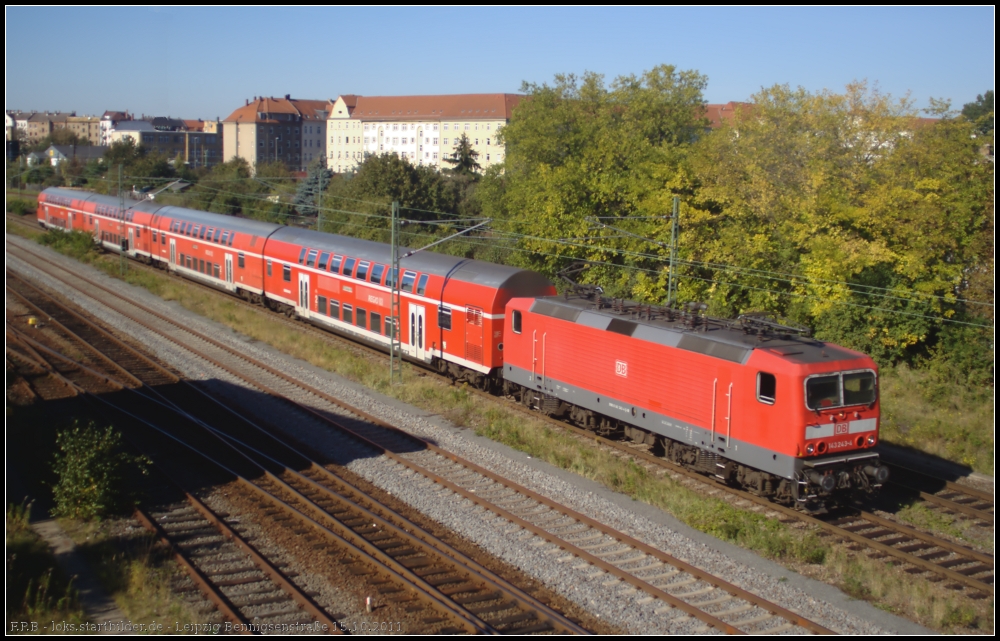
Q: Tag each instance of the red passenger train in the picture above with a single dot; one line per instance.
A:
(752, 403)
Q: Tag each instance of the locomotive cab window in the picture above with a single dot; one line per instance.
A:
(841, 389)
(515, 322)
(766, 387)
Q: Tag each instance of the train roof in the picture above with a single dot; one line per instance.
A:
(232, 223)
(673, 328)
(427, 262)
(87, 196)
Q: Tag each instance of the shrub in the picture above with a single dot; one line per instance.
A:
(92, 468)
(21, 207)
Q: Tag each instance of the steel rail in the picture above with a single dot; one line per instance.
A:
(211, 592)
(666, 597)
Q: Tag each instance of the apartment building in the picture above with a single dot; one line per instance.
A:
(421, 129)
(286, 129)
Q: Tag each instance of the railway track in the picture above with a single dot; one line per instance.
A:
(670, 585)
(404, 557)
(952, 498)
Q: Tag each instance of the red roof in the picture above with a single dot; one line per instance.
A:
(717, 114)
(476, 106)
(305, 109)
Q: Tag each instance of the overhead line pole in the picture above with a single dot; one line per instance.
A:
(395, 344)
(673, 251)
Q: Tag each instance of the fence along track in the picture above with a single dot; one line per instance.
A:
(440, 568)
(624, 575)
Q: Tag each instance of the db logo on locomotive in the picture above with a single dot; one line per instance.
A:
(621, 369)
(840, 428)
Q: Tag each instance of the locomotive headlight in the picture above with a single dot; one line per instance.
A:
(810, 448)
(871, 439)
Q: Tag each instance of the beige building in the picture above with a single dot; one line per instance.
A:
(422, 129)
(277, 129)
(88, 127)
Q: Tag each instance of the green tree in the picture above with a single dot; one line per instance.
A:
(803, 193)
(316, 181)
(579, 149)
(980, 113)
(463, 158)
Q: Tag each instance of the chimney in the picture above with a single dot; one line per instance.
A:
(288, 96)
(248, 101)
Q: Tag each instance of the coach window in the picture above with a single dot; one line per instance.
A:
(444, 318)
(241, 261)
(311, 258)
(362, 318)
(215, 269)
(217, 232)
(286, 273)
(201, 234)
(390, 279)
(321, 305)
(187, 232)
(376, 278)
(362, 272)
(269, 267)
(408, 278)
(324, 258)
(348, 314)
(334, 309)
(766, 387)
(376, 323)
(349, 266)
(516, 322)
(232, 236)
(302, 255)
(163, 238)
(422, 285)
(154, 236)
(335, 265)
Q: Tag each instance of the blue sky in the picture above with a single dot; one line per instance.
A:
(204, 62)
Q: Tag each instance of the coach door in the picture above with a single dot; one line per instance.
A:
(173, 251)
(229, 270)
(303, 308)
(131, 240)
(474, 335)
(418, 327)
(70, 221)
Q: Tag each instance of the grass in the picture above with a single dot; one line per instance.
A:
(37, 590)
(958, 428)
(805, 550)
(921, 516)
(133, 570)
(897, 592)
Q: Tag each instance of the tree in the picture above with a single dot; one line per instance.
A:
(980, 113)
(580, 149)
(463, 158)
(316, 181)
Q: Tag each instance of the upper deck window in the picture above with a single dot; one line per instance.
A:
(377, 272)
(311, 258)
(335, 265)
(362, 270)
(324, 258)
(422, 285)
(407, 284)
(349, 266)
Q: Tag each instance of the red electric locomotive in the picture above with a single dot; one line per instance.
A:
(752, 403)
